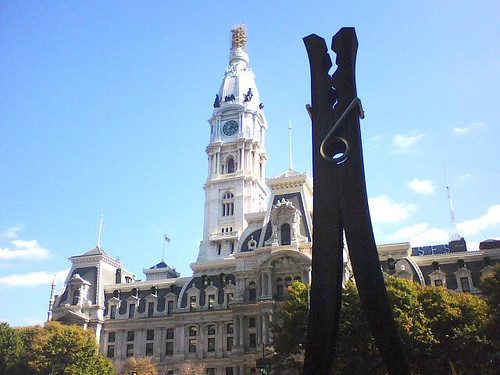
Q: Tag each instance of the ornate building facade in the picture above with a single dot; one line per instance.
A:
(256, 241)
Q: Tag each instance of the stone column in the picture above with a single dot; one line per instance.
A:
(120, 344)
(159, 345)
(180, 341)
(242, 332)
(200, 345)
(219, 339)
(269, 284)
(265, 329)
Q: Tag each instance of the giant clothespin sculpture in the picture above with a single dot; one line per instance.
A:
(341, 206)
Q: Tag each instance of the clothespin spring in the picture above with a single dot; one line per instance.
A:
(335, 148)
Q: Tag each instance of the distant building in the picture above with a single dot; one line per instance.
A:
(256, 241)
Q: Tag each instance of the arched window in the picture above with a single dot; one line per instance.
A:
(279, 289)
(76, 297)
(285, 234)
(297, 278)
(252, 291)
(228, 204)
(288, 281)
(230, 165)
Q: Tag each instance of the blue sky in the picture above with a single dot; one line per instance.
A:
(104, 108)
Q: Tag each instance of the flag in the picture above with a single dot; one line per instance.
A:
(166, 238)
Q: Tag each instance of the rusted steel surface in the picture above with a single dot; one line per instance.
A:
(341, 206)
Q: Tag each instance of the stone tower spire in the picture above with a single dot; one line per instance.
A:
(236, 155)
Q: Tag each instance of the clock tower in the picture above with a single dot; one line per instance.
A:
(237, 157)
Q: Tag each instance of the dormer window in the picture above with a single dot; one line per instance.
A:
(192, 302)
(285, 234)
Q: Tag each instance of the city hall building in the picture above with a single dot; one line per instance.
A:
(257, 240)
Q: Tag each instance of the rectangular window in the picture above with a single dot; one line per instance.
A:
(130, 350)
(112, 313)
(130, 335)
(169, 348)
(211, 301)
(150, 334)
(151, 309)
(251, 322)
(192, 302)
(232, 247)
(229, 344)
(211, 344)
(229, 371)
(219, 248)
(438, 282)
(252, 340)
(149, 349)
(210, 371)
(170, 307)
(464, 282)
(192, 346)
(111, 351)
(111, 336)
(131, 310)
(170, 333)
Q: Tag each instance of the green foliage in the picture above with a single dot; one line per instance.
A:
(437, 327)
(55, 349)
(11, 349)
(290, 330)
(142, 365)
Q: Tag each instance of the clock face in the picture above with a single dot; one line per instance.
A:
(230, 128)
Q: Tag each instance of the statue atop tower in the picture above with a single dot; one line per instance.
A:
(239, 36)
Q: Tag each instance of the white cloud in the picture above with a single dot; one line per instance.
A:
(21, 249)
(468, 128)
(421, 235)
(33, 278)
(11, 233)
(404, 143)
(474, 226)
(465, 177)
(424, 187)
(385, 211)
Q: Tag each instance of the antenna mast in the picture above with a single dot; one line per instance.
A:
(290, 163)
(454, 235)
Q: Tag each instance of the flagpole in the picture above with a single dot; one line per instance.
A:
(101, 226)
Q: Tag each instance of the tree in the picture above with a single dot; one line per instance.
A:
(290, 329)
(437, 327)
(11, 349)
(141, 365)
(192, 368)
(61, 349)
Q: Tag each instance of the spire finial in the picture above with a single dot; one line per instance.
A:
(290, 162)
(51, 299)
(239, 36)
(101, 227)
